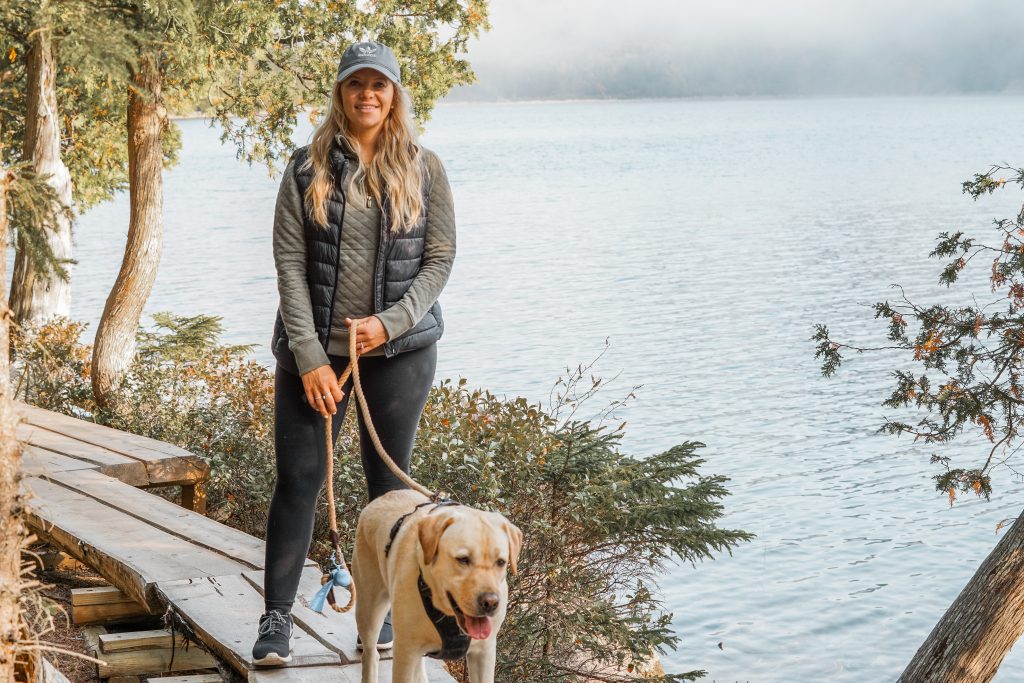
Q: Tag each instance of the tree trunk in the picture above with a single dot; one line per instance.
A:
(115, 335)
(983, 623)
(36, 297)
(12, 525)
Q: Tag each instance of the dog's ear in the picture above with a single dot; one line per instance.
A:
(515, 544)
(430, 529)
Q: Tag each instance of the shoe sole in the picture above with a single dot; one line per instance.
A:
(273, 659)
(380, 646)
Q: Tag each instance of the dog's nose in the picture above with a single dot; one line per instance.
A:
(488, 602)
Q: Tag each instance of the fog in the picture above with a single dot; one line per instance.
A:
(549, 49)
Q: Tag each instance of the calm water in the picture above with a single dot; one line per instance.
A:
(703, 239)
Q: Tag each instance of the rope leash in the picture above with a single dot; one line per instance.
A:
(339, 575)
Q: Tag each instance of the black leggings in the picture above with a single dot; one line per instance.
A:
(396, 390)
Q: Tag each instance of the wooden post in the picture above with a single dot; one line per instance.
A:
(193, 497)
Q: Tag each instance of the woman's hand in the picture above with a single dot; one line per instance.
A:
(369, 335)
(322, 390)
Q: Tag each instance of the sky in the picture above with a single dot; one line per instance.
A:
(552, 49)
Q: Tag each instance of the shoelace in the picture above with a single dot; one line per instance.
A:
(274, 619)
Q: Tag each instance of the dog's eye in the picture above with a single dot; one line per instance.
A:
(464, 561)
(501, 563)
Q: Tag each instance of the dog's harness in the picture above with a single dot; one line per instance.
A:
(454, 643)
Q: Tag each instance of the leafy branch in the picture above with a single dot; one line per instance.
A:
(971, 356)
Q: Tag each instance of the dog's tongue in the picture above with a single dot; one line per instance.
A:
(478, 628)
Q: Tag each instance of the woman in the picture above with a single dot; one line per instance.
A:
(364, 239)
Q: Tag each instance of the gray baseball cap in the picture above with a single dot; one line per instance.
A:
(370, 55)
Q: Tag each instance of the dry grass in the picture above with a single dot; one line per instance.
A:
(51, 614)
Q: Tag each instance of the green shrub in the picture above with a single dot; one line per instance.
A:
(50, 367)
(599, 525)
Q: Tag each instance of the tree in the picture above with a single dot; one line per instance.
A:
(37, 297)
(24, 193)
(977, 351)
(285, 63)
(64, 118)
(115, 334)
(259, 63)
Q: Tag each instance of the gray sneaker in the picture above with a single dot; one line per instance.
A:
(385, 640)
(273, 645)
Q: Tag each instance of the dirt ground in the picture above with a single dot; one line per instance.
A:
(53, 623)
(56, 627)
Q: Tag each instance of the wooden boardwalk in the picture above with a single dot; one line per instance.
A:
(58, 443)
(83, 482)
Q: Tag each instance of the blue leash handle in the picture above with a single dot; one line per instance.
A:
(339, 576)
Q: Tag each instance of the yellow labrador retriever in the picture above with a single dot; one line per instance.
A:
(442, 569)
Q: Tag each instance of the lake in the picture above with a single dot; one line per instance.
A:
(702, 239)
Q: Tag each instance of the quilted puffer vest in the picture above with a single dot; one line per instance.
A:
(398, 261)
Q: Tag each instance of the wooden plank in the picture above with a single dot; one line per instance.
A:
(141, 447)
(129, 470)
(151, 468)
(154, 660)
(70, 446)
(140, 640)
(224, 612)
(36, 460)
(350, 673)
(162, 463)
(197, 678)
(98, 595)
(103, 603)
(336, 630)
(110, 613)
(164, 515)
(101, 614)
(128, 552)
(177, 471)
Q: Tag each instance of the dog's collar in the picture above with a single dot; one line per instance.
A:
(454, 643)
(401, 520)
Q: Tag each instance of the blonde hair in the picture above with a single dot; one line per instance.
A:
(396, 168)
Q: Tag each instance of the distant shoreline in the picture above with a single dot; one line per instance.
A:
(719, 98)
(676, 98)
